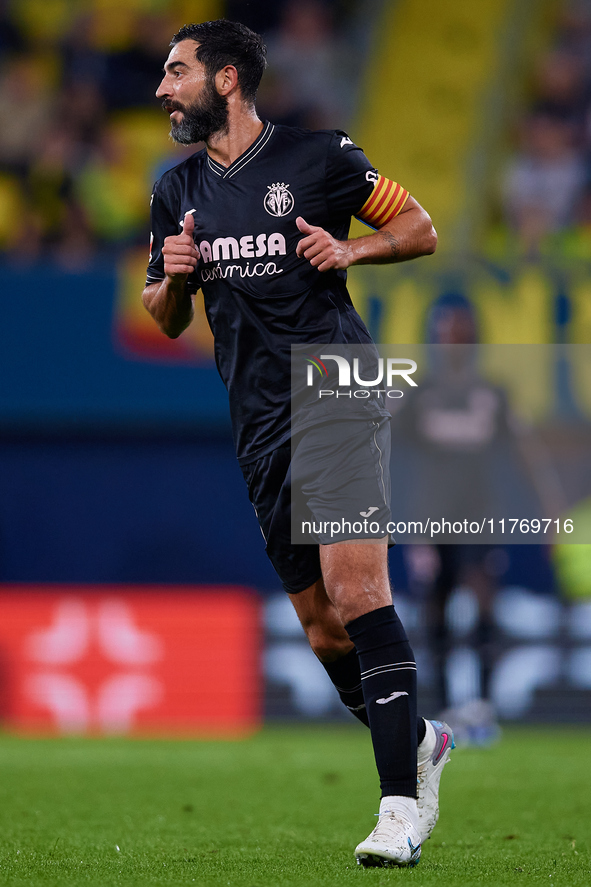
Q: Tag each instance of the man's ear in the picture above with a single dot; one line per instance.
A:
(226, 79)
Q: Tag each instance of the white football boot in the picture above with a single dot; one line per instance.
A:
(395, 841)
(433, 755)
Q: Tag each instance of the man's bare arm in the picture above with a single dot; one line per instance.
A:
(170, 305)
(169, 302)
(408, 235)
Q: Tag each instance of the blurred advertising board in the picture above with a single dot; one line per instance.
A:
(540, 653)
(130, 660)
(99, 361)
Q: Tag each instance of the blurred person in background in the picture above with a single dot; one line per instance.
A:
(255, 177)
(545, 180)
(305, 58)
(27, 108)
(573, 34)
(562, 90)
(455, 424)
(130, 73)
(469, 458)
(262, 16)
(11, 40)
(83, 62)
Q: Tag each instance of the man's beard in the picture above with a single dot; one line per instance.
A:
(201, 120)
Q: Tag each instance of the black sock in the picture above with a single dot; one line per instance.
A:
(389, 681)
(346, 677)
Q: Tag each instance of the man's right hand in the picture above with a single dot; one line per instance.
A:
(179, 251)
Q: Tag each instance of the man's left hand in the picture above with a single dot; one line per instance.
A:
(320, 248)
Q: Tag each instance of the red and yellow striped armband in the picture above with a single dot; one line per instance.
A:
(385, 201)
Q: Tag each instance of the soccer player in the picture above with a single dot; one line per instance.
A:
(259, 221)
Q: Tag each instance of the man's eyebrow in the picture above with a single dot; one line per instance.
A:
(170, 65)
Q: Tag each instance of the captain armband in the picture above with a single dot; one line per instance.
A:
(385, 201)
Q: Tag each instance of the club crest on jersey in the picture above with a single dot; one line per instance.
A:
(278, 200)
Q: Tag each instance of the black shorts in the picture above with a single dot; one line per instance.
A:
(358, 451)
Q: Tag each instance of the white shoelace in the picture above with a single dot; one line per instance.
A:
(388, 824)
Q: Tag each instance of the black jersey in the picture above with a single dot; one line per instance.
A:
(260, 298)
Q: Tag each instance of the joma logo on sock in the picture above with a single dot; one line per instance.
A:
(392, 696)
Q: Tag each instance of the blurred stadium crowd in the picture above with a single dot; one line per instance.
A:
(545, 195)
(82, 136)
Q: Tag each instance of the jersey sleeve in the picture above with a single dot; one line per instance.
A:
(355, 187)
(164, 223)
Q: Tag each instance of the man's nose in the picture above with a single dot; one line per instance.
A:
(162, 91)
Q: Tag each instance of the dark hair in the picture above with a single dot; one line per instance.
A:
(222, 42)
(450, 301)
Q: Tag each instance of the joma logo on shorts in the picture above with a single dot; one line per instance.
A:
(247, 247)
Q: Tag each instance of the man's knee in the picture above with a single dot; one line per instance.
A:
(326, 645)
(356, 577)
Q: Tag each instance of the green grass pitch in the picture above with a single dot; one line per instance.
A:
(285, 807)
